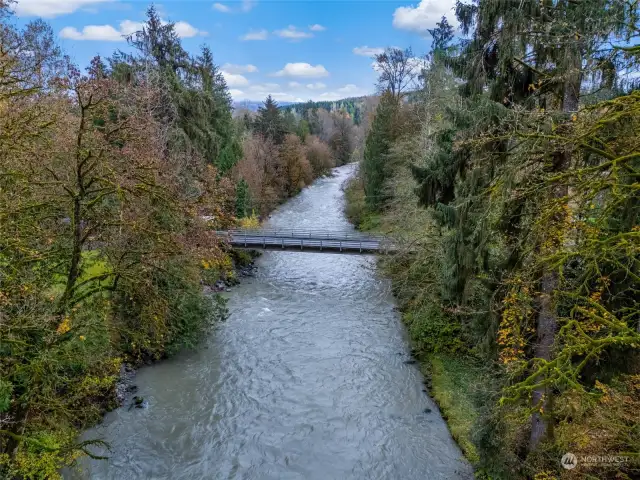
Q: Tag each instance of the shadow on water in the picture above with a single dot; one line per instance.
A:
(306, 379)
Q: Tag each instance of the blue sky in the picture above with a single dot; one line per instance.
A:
(294, 50)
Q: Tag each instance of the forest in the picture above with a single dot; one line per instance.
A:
(111, 180)
(509, 168)
(355, 107)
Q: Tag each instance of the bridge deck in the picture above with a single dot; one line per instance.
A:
(307, 240)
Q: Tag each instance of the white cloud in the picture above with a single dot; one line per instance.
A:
(286, 97)
(221, 8)
(302, 70)
(368, 51)
(259, 91)
(317, 28)
(108, 33)
(186, 30)
(349, 90)
(292, 33)
(234, 80)
(316, 86)
(264, 87)
(255, 35)
(247, 5)
(233, 68)
(52, 8)
(129, 27)
(424, 16)
(295, 92)
(105, 33)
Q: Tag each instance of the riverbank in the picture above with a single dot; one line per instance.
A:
(243, 266)
(309, 377)
(216, 278)
(451, 374)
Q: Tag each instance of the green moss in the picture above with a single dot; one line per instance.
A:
(452, 386)
(92, 266)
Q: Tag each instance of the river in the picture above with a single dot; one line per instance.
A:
(305, 380)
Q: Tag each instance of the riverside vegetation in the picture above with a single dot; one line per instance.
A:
(512, 172)
(110, 182)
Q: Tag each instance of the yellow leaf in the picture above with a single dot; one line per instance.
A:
(64, 326)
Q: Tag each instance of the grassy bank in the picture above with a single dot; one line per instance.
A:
(452, 384)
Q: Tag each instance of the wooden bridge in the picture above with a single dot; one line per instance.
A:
(307, 240)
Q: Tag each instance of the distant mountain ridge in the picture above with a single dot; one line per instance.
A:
(253, 105)
(346, 103)
(353, 106)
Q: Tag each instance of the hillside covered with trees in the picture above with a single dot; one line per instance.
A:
(356, 107)
(512, 177)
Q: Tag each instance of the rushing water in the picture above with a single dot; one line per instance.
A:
(305, 380)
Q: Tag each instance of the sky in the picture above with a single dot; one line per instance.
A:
(294, 50)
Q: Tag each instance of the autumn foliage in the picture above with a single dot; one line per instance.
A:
(283, 152)
(102, 240)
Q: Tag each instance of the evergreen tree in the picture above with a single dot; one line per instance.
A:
(289, 121)
(313, 119)
(442, 36)
(160, 42)
(243, 199)
(379, 140)
(247, 121)
(211, 114)
(269, 122)
(303, 129)
(197, 106)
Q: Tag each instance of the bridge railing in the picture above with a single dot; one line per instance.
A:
(298, 233)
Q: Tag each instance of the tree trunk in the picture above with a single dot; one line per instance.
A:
(76, 255)
(76, 221)
(547, 322)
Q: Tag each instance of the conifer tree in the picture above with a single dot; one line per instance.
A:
(289, 121)
(269, 122)
(383, 132)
